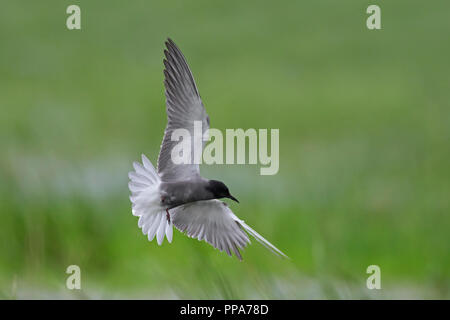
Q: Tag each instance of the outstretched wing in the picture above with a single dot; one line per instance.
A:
(214, 222)
(184, 107)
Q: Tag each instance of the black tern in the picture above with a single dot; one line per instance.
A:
(176, 194)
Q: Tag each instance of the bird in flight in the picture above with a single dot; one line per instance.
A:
(176, 194)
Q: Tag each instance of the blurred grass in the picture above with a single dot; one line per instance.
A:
(364, 146)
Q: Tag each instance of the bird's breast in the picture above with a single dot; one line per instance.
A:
(178, 193)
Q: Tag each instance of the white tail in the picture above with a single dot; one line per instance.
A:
(146, 201)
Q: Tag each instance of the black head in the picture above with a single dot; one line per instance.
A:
(220, 190)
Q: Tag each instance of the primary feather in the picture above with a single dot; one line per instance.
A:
(214, 222)
(183, 107)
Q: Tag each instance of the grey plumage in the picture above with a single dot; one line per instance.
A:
(183, 107)
(210, 221)
(176, 194)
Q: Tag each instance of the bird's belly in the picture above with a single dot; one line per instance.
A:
(174, 197)
(171, 201)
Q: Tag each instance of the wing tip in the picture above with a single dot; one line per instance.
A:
(171, 46)
(169, 42)
(263, 241)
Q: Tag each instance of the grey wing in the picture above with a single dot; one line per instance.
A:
(212, 221)
(184, 107)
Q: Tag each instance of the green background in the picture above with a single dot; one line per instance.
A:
(364, 146)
